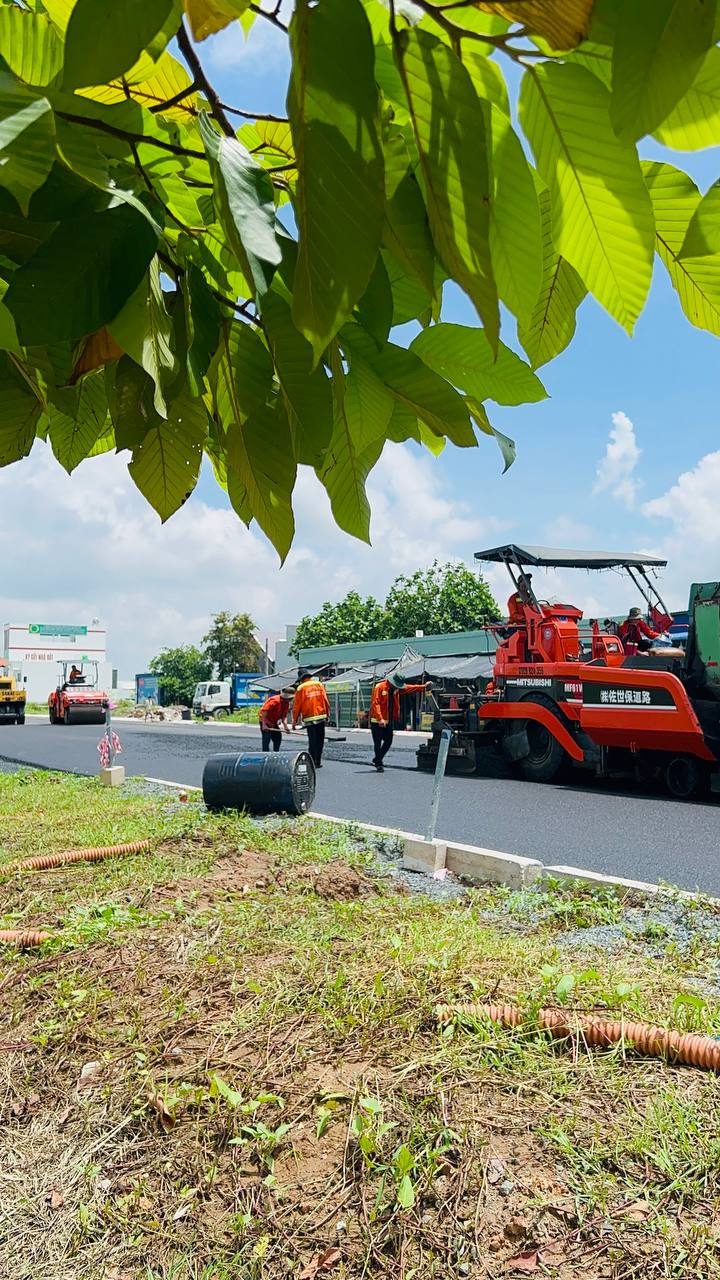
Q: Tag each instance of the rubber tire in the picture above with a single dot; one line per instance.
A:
(685, 778)
(20, 719)
(547, 759)
(220, 714)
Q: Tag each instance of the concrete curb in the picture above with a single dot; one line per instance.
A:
(474, 863)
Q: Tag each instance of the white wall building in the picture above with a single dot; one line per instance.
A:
(34, 650)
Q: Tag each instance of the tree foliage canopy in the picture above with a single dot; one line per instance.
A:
(180, 670)
(438, 600)
(180, 277)
(231, 645)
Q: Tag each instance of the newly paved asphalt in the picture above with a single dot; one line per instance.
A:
(606, 828)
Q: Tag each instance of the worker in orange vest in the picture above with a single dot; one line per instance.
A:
(384, 712)
(311, 708)
(272, 716)
(519, 598)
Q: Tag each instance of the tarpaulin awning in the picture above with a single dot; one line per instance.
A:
(413, 666)
(559, 558)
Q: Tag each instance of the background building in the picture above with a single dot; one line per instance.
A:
(35, 648)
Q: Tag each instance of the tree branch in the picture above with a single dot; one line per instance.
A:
(188, 52)
(90, 123)
(242, 307)
(254, 115)
(271, 15)
(178, 97)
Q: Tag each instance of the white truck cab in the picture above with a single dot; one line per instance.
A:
(212, 698)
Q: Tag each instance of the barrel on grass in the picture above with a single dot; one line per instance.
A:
(261, 782)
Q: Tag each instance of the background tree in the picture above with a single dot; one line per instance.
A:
(441, 599)
(444, 598)
(347, 622)
(230, 644)
(152, 300)
(179, 671)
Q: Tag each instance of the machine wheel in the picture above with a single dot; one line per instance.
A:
(21, 719)
(685, 777)
(546, 757)
(220, 713)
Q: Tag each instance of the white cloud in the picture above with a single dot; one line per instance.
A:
(263, 50)
(93, 548)
(689, 536)
(615, 472)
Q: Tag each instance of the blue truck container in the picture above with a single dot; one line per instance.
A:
(242, 693)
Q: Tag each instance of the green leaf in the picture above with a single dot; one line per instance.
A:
(202, 320)
(659, 46)
(374, 310)
(20, 412)
(463, 356)
(73, 438)
(403, 1161)
(487, 78)
(550, 327)
(454, 165)
(166, 465)
(258, 438)
(247, 211)
(208, 16)
(8, 333)
(405, 1193)
(695, 280)
(81, 276)
(345, 467)
(602, 217)
(695, 122)
(407, 230)
(130, 397)
(30, 45)
(27, 140)
(703, 233)
(404, 425)
(105, 38)
(368, 404)
(417, 387)
(230, 1095)
(411, 300)
(515, 226)
(506, 446)
(339, 198)
(306, 391)
(259, 453)
(145, 331)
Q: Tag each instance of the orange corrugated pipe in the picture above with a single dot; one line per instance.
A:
(677, 1046)
(45, 861)
(25, 937)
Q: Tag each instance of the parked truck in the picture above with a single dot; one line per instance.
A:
(219, 698)
(12, 696)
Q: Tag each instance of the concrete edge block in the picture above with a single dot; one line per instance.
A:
(113, 776)
(427, 856)
(594, 878)
(476, 863)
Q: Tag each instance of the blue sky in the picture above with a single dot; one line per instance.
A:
(656, 489)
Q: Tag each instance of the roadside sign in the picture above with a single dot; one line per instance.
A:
(54, 629)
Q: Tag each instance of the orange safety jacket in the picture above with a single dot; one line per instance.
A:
(311, 702)
(515, 608)
(380, 700)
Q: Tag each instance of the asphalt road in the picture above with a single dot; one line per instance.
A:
(598, 826)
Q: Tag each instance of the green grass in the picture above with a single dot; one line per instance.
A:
(227, 1062)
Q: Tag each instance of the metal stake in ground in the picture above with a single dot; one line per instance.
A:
(109, 736)
(437, 782)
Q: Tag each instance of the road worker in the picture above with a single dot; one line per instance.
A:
(273, 719)
(311, 708)
(635, 632)
(520, 597)
(384, 711)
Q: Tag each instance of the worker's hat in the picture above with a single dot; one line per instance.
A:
(635, 613)
(396, 680)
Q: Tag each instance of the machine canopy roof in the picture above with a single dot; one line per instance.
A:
(557, 557)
